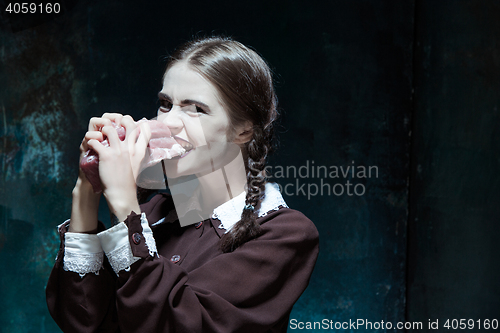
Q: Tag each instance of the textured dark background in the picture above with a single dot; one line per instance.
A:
(454, 221)
(410, 87)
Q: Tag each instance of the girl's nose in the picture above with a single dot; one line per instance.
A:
(172, 119)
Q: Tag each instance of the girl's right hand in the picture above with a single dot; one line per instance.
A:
(120, 162)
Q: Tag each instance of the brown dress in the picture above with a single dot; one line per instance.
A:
(189, 285)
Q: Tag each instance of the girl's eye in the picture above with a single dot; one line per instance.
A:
(200, 110)
(165, 105)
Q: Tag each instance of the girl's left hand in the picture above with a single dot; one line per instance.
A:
(120, 163)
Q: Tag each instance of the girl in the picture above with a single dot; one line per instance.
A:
(241, 268)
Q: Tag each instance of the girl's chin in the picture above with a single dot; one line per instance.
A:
(188, 164)
(181, 156)
(177, 168)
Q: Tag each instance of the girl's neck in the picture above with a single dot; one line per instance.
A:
(222, 184)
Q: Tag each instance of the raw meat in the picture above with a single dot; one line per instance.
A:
(162, 145)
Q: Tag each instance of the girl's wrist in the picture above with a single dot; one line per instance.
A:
(121, 206)
(84, 187)
(84, 208)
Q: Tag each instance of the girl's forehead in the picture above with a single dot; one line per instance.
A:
(182, 80)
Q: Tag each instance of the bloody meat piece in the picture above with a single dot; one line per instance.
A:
(161, 146)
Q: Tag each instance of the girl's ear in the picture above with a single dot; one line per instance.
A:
(244, 133)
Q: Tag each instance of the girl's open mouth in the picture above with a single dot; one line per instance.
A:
(186, 146)
(183, 143)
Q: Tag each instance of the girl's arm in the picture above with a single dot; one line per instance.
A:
(79, 292)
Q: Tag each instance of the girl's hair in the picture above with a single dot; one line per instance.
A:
(245, 85)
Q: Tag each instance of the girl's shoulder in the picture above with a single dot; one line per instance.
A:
(287, 222)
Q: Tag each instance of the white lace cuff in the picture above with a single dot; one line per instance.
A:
(82, 253)
(115, 243)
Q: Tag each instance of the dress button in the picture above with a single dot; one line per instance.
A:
(175, 258)
(136, 238)
(199, 224)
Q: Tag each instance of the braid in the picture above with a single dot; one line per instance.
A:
(248, 228)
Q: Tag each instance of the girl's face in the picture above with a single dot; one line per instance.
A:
(191, 108)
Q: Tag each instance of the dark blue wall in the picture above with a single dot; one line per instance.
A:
(454, 224)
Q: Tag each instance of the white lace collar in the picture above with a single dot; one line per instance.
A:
(230, 212)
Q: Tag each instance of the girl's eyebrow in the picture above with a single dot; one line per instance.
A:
(184, 102)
